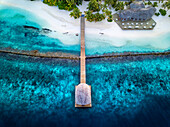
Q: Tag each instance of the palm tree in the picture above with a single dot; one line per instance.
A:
(110, 18)
(93, 6)
(166, 5)
(70, 2)
(76, 13)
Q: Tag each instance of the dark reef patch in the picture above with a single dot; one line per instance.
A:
(30, 27)
(28, 36)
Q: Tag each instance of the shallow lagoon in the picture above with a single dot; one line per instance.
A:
(126, 91)
(15, 36)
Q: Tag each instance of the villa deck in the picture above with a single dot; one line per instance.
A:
(134, 25)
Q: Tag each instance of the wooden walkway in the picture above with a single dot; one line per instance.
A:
(83, 91)
(83, 56)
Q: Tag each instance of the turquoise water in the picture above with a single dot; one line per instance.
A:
(126, 91)
(13, 35)
(99, 47)
(17, 16)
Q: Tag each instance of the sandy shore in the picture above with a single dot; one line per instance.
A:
(60, 21)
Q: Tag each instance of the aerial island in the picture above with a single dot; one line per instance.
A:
(87, 63)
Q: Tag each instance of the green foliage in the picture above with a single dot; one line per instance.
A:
(107, 12)
(76, 13)
(168, 15)
(119, 6)
(166, 5)
(149, 3)
(51, 2)
(157, 14)
(93, 6)
(162, 11)
(79, 2)
(69, 8)
(127, 3)
(99, 17)
(70, 3)
(89, 15)
(94, 17)
(63, 4)
(155, 4)
(110, 18)
(111, 2)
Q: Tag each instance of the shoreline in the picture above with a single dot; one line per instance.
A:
(60, 21)
(103, 32)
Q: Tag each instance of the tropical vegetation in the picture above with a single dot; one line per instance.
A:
(99, 10)
(149, 2)
(162, 11)
(155, 4)
(93, 6)
(76, 13)
(110, 18)
(63, 4)
(166, 5)
(119, 6)
(157, 14)
(94, 17)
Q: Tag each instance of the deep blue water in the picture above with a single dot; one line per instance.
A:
(126, 91)
(132, 91)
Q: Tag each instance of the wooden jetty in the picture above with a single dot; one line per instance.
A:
(83, 91)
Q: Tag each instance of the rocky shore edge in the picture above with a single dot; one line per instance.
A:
(61, 55)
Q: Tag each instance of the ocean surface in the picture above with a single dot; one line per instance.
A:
(126, 91)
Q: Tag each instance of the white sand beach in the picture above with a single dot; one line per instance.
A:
(60, 21)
